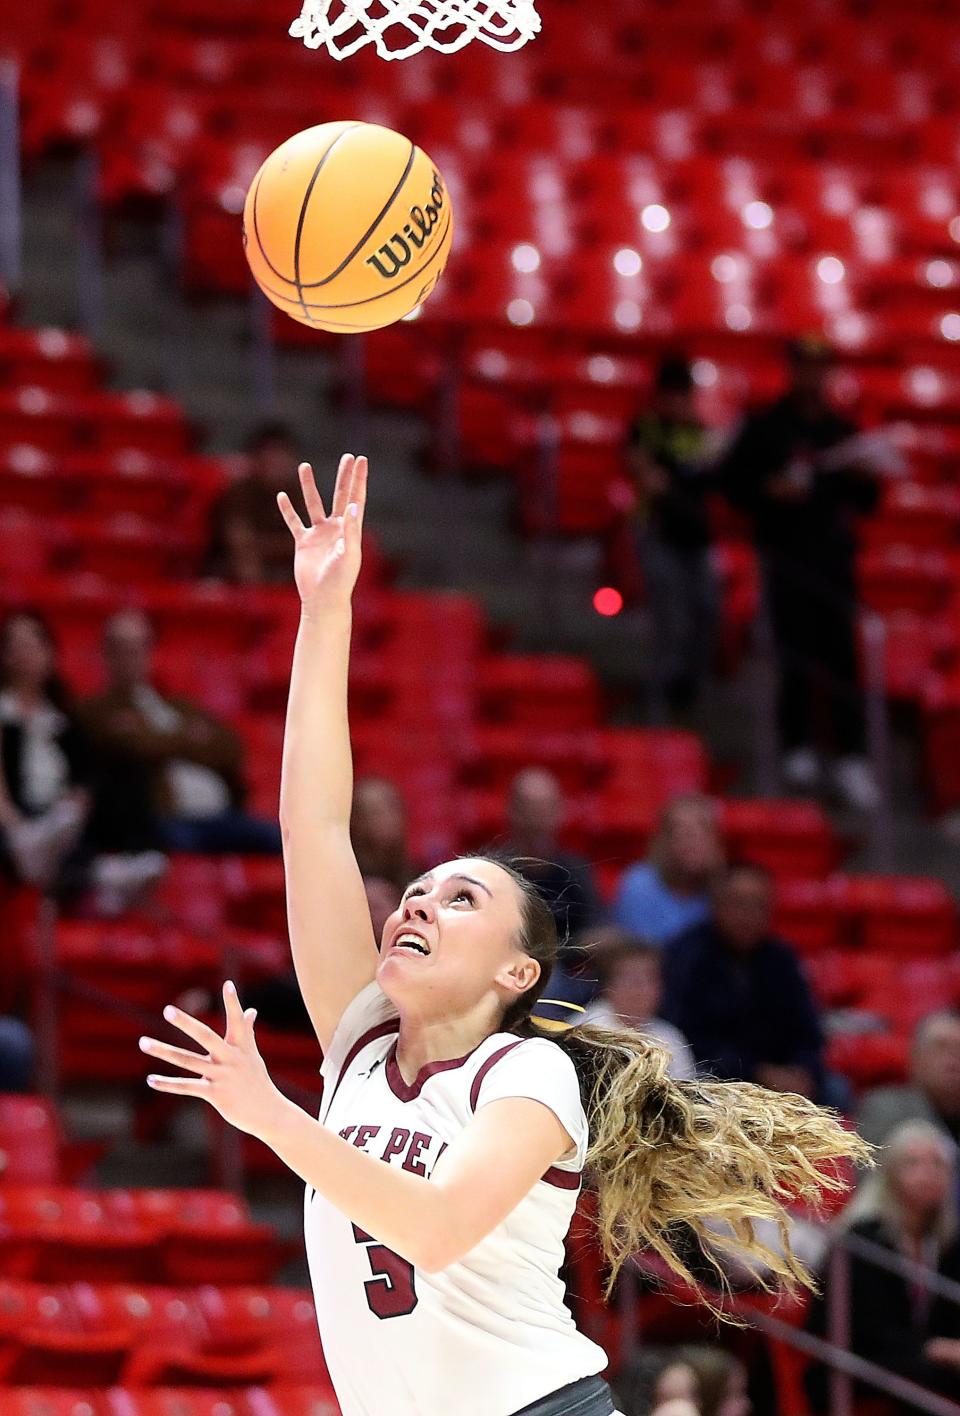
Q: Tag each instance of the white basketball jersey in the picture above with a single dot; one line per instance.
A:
(491, 1333)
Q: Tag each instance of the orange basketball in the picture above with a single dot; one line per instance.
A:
(347, 226)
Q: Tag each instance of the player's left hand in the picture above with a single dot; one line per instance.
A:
(229, 1073)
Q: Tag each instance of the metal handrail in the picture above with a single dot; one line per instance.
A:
(899, 1264)
(11, 196)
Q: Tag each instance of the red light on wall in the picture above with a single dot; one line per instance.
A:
(608, 601)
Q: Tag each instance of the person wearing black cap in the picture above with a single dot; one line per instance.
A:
(669, 465)
(804, 475)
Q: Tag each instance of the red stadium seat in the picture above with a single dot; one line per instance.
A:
(156, 1366)
(809, 916)
(54, 1401)
(177, 1401)
(553, 692)
(494, 755)
(30, 1313)
(57, 1235)
(145, 1313)
(30, 1141)
(48, 358)
(900, 915)
(283, 1400)
(205, 1236)
(870, 1060)
(280, 1318)
(787, 837)
(941, 739)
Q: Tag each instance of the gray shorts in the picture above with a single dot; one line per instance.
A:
(589, 1397)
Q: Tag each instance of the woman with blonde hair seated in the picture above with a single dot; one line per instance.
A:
(907, 1206)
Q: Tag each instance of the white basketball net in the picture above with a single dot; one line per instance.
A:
(399, 28)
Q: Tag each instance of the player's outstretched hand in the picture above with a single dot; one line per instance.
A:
(229, 1072)
(326, 559)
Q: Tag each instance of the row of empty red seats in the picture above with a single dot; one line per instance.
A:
(280, 1400)
(878, 75)
(58, 1234)
(92, 1332)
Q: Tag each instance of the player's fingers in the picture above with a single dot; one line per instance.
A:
(200, 1033)
(341, 492)
(234, 1014)
(177, 1056)
(181, 1086)
(311, 496)
(358, 487)
(288, 512)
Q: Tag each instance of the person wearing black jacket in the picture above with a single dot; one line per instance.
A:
(798, 469)
(670, 466)
(908, 1208)
(44, 759)
(739, 996)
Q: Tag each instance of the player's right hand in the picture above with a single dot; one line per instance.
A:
(326, 559)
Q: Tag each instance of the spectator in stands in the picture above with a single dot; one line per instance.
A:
(797, 468)
(170, 773)
(669, 892)
(249, 545)
(535, 811)
(907, 1207)
(671, 461)
(658, 1382)
(378, 830)
(738, 992)
(693, 1380)
(17, 1056)
(933, 1092)
(44, 782)
(629, 978)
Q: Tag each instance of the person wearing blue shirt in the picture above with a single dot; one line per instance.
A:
(661, 897)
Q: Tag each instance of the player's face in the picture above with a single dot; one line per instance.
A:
(453, 941)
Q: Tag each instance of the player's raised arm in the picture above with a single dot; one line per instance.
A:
(334, 951)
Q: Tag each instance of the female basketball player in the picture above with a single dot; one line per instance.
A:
(454, 1134)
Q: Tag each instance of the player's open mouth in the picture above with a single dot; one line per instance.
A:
(412, 942)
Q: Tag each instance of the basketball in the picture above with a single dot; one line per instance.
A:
(347, 226)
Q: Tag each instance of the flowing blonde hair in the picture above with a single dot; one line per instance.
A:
(674, 1159)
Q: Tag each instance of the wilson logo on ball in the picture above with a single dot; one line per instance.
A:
(389, 262)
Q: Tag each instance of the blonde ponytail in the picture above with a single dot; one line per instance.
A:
(668, 1159)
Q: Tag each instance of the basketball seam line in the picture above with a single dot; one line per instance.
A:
(256, 221)
(315, 284)
(371, 299)
(303, 212)
(256, 231)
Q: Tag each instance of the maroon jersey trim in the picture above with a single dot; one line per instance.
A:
(392, 1025)
(409, 1091)
(562, 1179)
(482, 1071)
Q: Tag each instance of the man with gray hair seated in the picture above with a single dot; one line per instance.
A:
(933, 1091)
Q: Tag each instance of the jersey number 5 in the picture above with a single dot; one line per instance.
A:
(390, 1294)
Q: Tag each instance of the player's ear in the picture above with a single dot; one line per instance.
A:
(519, 975)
